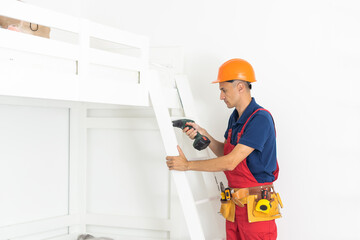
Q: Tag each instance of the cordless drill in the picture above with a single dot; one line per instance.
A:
(201, 142)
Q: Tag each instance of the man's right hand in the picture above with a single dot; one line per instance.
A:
(191, 132)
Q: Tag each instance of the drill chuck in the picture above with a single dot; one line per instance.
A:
(201, 142)
(179, 123)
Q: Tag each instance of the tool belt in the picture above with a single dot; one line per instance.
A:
(259, 207)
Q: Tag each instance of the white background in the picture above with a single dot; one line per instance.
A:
(306, 59)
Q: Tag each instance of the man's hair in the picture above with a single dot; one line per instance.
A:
(247, 84)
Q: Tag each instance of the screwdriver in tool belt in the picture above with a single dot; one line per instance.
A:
(223, 198)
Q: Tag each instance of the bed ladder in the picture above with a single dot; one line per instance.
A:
(206, 180)
(186, 197)
(187, 102)
(170, 143)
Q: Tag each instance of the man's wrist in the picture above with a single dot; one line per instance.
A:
(203, 132)
(189, 165)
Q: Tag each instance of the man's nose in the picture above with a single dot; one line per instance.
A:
(222, 96)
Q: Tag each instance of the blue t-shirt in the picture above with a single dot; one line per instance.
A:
(259, 134)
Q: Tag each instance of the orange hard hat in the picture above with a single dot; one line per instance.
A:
(236, 69)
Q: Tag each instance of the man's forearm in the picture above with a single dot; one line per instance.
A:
(224, 163)
(211, 165)
(216, 147)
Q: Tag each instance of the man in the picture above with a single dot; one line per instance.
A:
(247, 157)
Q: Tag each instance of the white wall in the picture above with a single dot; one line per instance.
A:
(306, 55)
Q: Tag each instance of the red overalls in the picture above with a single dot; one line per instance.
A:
(241, 177)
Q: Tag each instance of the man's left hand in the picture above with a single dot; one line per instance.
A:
(179, 163)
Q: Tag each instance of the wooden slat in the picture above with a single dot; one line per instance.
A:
(113, 91)
(115, 35)
(122, 123)
(170, 142)
(24, 229)
(115, 60)
(128, 222)
(33, 44)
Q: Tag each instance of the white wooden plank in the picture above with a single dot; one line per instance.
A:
(23, 101)
(84, 61)
(168, 135)
(30, 13)
(122, 123)
(115, 60)
(29, 43)
(24, 229)
(66, 237)
(116, 35)
(207, 184)
(172, 97)
(113, 92)
(186, 96)
(128, 222)
(77, 113)
(83, 167)
(58, 234)
(48, 86)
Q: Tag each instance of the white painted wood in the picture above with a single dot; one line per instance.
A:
(82, 171)
(29, 75)
(126, 233)
(206, 181)
(170, 143)
(24, 229)
(116, 35)
(84, 61)
(129, 222)
(186, 96)
(124, 171)
(144, 71)
(67, 85)
(172, 97)
(113, 92)
(34, 102)
(207, 200)
(123, 123)
(38, 45)
(33, 163)
(66, 237)
(87, 87)
(29, 13)
(61, 232)
(115, 60)
(75, 188)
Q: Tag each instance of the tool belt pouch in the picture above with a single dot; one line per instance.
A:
(239, 196)
(255, 215)
(228, 210)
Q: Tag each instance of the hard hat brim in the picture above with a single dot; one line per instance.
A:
(219, 81)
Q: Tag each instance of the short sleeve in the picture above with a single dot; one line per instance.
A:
(257, 131)
(227, 129)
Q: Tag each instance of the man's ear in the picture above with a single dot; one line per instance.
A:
(240, 86)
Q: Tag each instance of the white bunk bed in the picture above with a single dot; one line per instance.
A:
(90, 88)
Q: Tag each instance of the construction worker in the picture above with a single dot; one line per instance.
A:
(247, 157)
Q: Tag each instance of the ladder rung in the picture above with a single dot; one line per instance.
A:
(205, 200)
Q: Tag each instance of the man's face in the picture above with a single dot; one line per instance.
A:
(228, 93)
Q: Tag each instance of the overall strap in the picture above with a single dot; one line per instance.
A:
(243, 128)
(229, 135)
(276, 172)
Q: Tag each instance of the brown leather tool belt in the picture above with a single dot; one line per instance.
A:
(239, 195)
